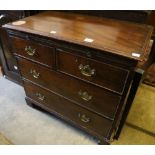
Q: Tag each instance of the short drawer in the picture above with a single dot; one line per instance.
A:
(87, 95)
(66, 109)
(32, 50)
(102, 74)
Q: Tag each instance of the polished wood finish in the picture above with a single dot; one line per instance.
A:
(32, 50)
(103, 102)
(78, 115)
(88, 84)
(102, 72)
(113, 36)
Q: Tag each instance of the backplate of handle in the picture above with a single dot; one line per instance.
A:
(85, 96)
(34, 73)
(30, 51)
(86, 70)
(84, 118)
(40, 96)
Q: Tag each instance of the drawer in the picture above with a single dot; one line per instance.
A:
(66, 109)
(33, 50)
(87, 95)
(104, 75)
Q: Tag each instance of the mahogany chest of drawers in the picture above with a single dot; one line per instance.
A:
(80, 68)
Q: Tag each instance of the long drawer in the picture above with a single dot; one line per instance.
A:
(102, 74)
(80, 116)
(33, 50)
(89, 96)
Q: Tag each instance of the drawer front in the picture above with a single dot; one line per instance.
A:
(33, 50)
(85, 94)
(65, 108)
(104, 75)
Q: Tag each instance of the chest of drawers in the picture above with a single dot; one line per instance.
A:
(80, 68)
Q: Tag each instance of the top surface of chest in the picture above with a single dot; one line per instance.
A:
(122, 38)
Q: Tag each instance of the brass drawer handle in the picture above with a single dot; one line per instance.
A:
(86, 70)
(84, 118)
(34, 73)
(40, 96)
(30, 51)
(85, 96)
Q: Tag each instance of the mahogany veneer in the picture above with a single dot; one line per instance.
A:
(80, 68)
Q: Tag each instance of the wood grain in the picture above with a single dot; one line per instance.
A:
(65, 108)
(118, 37)
(106, 76)
(42, 53)
(103, 102)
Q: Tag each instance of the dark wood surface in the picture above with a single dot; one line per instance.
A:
(150, 71)
(32, 50)
(78, 115)
(151, 20)
(9, 64)
(7, 60)
(137, 16)
(102, 102)
(118, 37)
(92, 98)
(136, 81)
(102, 72)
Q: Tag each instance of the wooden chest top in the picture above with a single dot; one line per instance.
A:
(127, 39)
